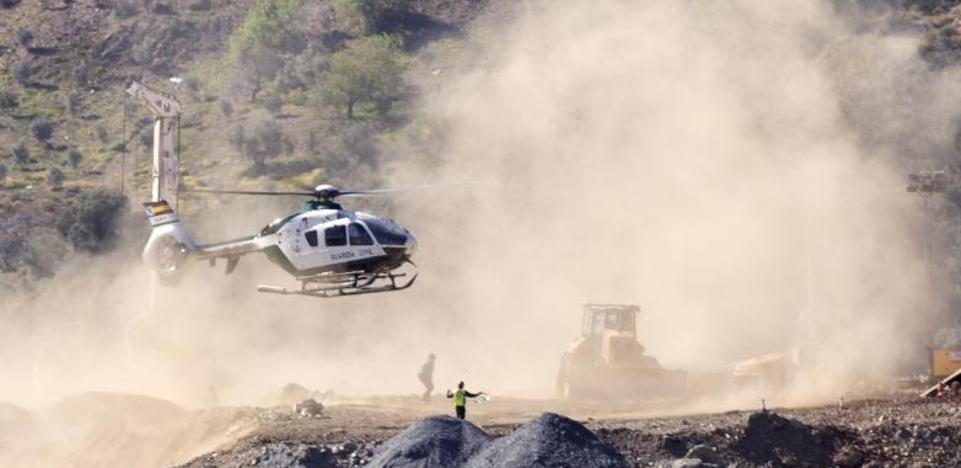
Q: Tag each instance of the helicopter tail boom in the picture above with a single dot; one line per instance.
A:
(169, 243)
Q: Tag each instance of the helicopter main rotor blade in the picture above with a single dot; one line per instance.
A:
(250, 192)
(420, 188)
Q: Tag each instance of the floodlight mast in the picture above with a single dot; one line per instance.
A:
(166, 111)
(926, 184)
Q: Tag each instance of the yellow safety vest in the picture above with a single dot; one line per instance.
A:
(459, 398)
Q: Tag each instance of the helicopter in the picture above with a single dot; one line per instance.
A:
(331, 251)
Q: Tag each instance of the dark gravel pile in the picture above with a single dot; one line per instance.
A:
(290, 455)
(261, 453)
(437, 441)
(769, 437)
(550, 440)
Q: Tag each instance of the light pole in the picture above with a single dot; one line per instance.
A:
(926, 184)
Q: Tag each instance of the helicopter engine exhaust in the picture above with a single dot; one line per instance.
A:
(169, 245)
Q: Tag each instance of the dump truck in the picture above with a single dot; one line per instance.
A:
(608, 363)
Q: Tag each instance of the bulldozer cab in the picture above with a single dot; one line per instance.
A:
(599, 318)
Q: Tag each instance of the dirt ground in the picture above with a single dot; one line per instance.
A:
(101, 429)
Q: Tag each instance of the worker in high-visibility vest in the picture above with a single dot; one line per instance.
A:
(460, 397)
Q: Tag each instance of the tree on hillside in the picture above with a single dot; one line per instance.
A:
(370, 16)
(266, 141)
(368, 70)
(271, 32)
(89, 224)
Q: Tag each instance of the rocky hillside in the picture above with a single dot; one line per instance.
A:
(275, 93)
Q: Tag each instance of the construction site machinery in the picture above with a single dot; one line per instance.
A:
(944, 362)
(768, 373)
(608, 363)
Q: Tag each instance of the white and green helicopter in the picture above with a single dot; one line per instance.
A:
(329, 250)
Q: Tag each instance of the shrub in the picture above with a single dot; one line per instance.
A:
(237, 137)
(102, 134)
(22, 72)
(3, 171)
(70, 102)
(274, 103)
(226, 108)
(81, 73)
(25, 36)
(163, 9)
(8, 99)
(192, 84)
(267, 142)
(20, 153)
(9, 3)
(74, 156)
(200, 5)
(143, 52)
(125, 8)
(371, 16)
(41, 129)
(89, 225)
(55, 177)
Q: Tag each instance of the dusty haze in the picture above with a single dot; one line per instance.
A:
(732, 168)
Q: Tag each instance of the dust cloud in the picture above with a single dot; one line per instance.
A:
(734, 168)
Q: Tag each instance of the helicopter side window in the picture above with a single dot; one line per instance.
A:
(311, 237)
(359, 235)
(335, 236)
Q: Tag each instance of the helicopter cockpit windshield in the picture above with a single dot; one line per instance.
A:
(386, 232)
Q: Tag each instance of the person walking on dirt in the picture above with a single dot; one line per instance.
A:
(426, 376)
(460, 397)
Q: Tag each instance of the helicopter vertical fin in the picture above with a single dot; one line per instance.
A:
(169, 244)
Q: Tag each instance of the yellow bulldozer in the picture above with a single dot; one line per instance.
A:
(608, 363)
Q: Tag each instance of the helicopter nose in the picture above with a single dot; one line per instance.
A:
(411, 245)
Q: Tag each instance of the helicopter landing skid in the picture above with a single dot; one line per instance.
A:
(358, 284)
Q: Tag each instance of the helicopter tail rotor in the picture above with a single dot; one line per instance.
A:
(169, 244)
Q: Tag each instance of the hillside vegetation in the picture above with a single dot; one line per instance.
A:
(276, 93)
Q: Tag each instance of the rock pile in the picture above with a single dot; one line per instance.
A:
(772, 438)
(550, 440)
(433, 441)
